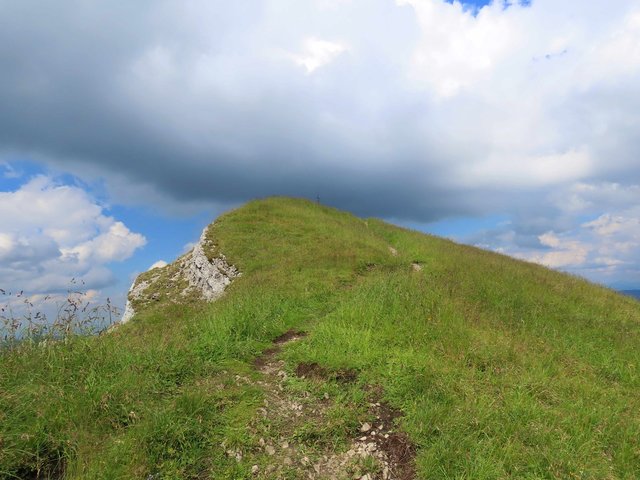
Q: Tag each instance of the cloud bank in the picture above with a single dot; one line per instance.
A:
(50, 234)
(415, 110)
(606, 248)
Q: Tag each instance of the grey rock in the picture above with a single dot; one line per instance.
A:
(208, 278)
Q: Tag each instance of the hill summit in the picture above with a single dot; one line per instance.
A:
(336, 347)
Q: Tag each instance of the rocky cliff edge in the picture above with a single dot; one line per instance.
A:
(201, 274)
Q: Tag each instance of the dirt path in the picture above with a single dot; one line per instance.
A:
(291, 422)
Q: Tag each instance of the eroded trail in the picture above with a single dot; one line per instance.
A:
(294, 427)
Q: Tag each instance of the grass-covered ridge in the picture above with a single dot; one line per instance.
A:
(503, 369)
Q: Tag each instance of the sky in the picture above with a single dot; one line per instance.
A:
(126, 127)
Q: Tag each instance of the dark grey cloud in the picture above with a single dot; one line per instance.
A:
(413, 110)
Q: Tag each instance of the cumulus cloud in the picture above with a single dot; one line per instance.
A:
(410, 109)
(565, 253)
(317, 53)
(605, 248)
(52, 233)
(158, 264)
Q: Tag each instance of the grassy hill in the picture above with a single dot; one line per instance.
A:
(499, 368)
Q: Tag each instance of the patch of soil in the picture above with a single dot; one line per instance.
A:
(379, 439)
(263, 359)
(397, 447)
(51, 466)
(311, 370)
(346, 375)
(289, 336)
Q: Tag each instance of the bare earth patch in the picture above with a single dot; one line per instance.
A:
(315, 371)
(377, 451)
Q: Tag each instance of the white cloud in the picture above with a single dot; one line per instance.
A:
(565, 253)
(116, 243)
(458, 49)
(618, 52)
(317, 53)
(539, 170)
(158, 264)
(549, 239)
(605, 249)
(590, 198)
(51, 233)
(608, 225)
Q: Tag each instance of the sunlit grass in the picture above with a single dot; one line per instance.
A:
(503, 369)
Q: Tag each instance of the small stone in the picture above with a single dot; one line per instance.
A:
(287, 461)
(365, 427)
(270, 450)
(237, 454)
(363, 439)
(366, 476)
(255, 469)
(285, 445)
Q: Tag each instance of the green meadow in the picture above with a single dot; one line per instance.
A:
(501, 368)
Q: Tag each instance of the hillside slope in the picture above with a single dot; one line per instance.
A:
(480, 366)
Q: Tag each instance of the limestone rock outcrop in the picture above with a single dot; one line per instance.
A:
(203, 273)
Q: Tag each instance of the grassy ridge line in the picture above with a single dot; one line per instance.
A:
(504, 369)
(118, 406)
